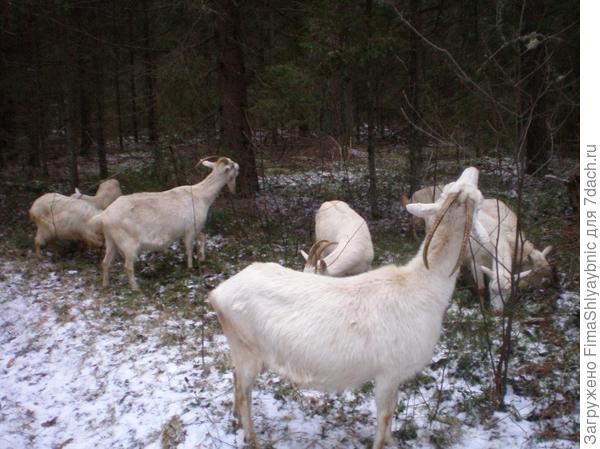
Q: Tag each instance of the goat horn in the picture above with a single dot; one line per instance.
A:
(438, 219)
(468, 225)
(311, 253)
(315, 251)
(207, 158)
(324, 245)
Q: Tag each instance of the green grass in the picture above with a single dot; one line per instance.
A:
(391, 244)
(20, 238)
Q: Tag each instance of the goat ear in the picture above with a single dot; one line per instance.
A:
(423, 210)
(522, 274)
(77, 191)
(546, 250)
(304, 254)
(208, 164)
(489, 273)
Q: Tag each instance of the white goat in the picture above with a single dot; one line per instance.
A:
(107, 192)
(336, 223)
(428, 194)
(337, 333)
(153, 220)
(496, 258)
(61, 217)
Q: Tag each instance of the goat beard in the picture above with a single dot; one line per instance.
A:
(231, 186)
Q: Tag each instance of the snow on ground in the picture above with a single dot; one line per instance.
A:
(82, 367)
(74, 373)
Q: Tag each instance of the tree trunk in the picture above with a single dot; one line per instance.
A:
(149, 72)
(100, 141)
(69, 97)
(134, 110)
(41, 132)
(415, 147)
(32, 122)
(70, 137)
(8, 116)
(117, 75)
(232, 83)
(347, 117)
(357, 119)
(85, 135)
(85, 138)
(375, 213)
(338, 109)
(534, 127)
(8, 127)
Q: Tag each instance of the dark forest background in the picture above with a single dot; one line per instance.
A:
(82, 78)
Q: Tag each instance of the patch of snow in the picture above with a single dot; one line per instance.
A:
(73, 376)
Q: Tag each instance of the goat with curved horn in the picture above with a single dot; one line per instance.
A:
(337, 223)
(313, 258)
(335, 334)
(151, 221)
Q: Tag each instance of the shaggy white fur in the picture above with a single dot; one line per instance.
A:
(151, 221)
(336, 333)
(352, 251)
(61, 217)
(495, 257)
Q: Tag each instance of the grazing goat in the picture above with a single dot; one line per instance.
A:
(337, 333)
(61, 217)
(107, 192)
(428, 194)
(153, 220)
(496, 258)
(337, 224)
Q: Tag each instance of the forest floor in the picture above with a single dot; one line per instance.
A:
(82, 366)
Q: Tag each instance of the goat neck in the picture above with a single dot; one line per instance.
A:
(209, 187)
